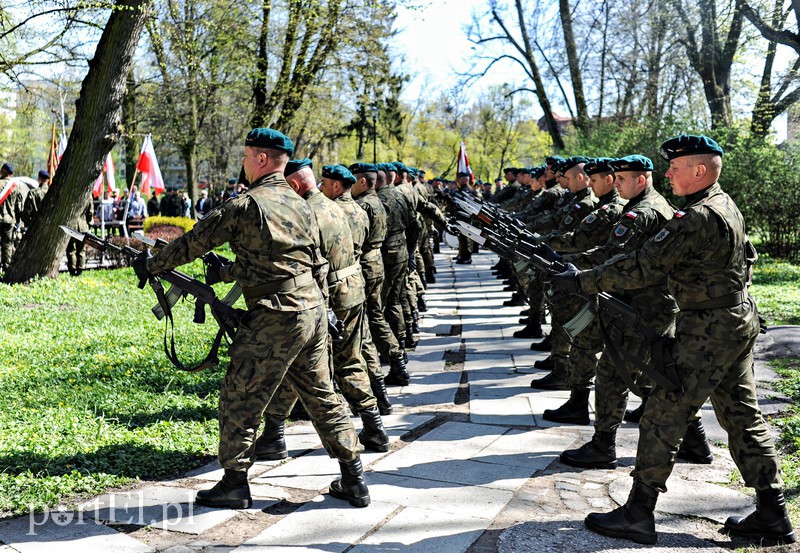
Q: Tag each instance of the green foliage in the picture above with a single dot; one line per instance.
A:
(776, 287)
(89, 399)
(789, 425)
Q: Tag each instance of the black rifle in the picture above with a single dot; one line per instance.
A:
(182, 285)
(616, 314)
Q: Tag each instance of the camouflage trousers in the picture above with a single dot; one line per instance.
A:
(6, 245)
(560, 346)
(270, 347)
(721, 369)
(370, 354)
(582, 362)
(395, 261)
(425, 249)
(76, 255)
(380, 333)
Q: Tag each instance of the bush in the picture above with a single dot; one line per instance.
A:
(157, 221)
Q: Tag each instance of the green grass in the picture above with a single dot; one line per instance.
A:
(776, 288)
(89, 399)
(789, 425)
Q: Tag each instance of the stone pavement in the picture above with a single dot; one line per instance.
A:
(473, 467)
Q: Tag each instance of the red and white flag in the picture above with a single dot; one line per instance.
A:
(111, 181)
(7, 190)
(463, 161)
(148, 167)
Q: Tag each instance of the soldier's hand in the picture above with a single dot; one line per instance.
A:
(564, 284)
(335, 327)
(214, 265)
(412, 262)
(140, 267)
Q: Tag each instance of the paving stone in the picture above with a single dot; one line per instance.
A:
(324, 524)
(535, 449)
(427, 389)
(424, 531)
(513, 411)
(65, 532)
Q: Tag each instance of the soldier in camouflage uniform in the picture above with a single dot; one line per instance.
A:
(704, 253)
(401, 230)
(284, 334)
(346, 300)
(34, 199)
(76, 253)
(378, 330)
(11, 204)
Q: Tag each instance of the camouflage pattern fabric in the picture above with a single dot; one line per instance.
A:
(592, 230)
(32, 204)
(568, 215)
(703, 252)
(10, 211)
(76, 251)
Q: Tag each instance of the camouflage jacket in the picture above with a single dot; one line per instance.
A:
(345, 283)
(275, 237)
(376, 213)
(32, 204)
(401, 220)
(570, 209)
(506, 193)
(11, 208)
(357, 219)
(593, 229)
(704, 254)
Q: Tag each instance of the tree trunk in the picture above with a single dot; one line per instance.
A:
(574, 62)
(189, 154)
(129, 124)
(260, 110)
(95, 131)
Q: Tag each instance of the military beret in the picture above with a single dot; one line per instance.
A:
(571, 162)
(231, 181)
(8, 167)
(340, 173)
(400, 167)
(689, 145)
(269, 138)
(44, 175)
(632, 163)
(537, 171)
(525, 171)
(436, 179)
(510, 170)
(553, 160)
(296, 164)
(462, 174)
(363, 168)
(598, 165)
(388, 167)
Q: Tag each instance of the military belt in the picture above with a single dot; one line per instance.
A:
(342, 274)
(270, 288)
(396, 238)
(728, 300)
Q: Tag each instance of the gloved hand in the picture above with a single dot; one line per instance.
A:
(140, 267)
(412, 262)
(335, 327)
(564, 284)
(214, 265)
(452, 228)
(546, 252)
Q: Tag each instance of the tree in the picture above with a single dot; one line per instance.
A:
(582, 119)
(95, 131)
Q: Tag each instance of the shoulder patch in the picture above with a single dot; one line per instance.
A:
(605, 207)
(568, 220)
(591, 218)
(663, 233)
(631, 215)
(620, 231)
(679, 214)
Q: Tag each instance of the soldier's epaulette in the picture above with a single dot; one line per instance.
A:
(631, 215)
(679, 214)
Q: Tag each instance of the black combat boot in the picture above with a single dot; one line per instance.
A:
(414, 322)
(633, 521)
(694, 447)
(398, 375)
(769, 524)
(410, 342)
(516, 299)
(351, 486)
(429, 275)
(232, 492)
(379, 390)
(599, 453)
(532, 330)
(422, 307)
(574, 411)
(544, 345)
(373, 436)
(546, 364)
(271, 444)
(554, 380)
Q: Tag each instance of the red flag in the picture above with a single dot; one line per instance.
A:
(463, 161)
(53, 158)
(148, 167)
(111, 181)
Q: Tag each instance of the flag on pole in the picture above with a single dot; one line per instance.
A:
(463, 161)
(148, 167)
(53, 158)
(111, 181)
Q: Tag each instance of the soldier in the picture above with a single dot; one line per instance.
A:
(284, 332)
(704, 253)
(373, 270)
(464, 256)
(35, 197)
(346, 301)
(11, 204)
(76, 254)
(153, 205)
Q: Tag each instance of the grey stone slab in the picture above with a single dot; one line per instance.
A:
(65, 532)
(692, 498)
(313, 471)
(502, 363)
(162, 507)
(427, 389)
(507, 411)
(416, 530)
(534, 449)
(324, 524)
(487, 383)
(452, 440)
(471, 501)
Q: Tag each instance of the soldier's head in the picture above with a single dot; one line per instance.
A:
(265, 151)
(401, 174)
(336, 180)
(391, 172)
(695, 163)
(6, 170)
(43, 178)
(524, 176)
(551, 167)
(633, 174)
(510, 174)
(573, 172)
(299, 173)
(366, 175)
(601, 175)
(462, 179)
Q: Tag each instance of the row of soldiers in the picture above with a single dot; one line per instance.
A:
(332, 276)
(685, 273)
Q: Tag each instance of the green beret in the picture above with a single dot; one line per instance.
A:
(689, 145)
(269, 138)
(387, 167)
(525, 171)
(510, 170)
(598, 165)
(400, 167)
(363, 168)
(632, 163)
(571, 162)
(340, 173)
(538, 171)
(296, 164)
(553, 160)
(462, 174)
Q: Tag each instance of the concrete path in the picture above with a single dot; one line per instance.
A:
(473, 467)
